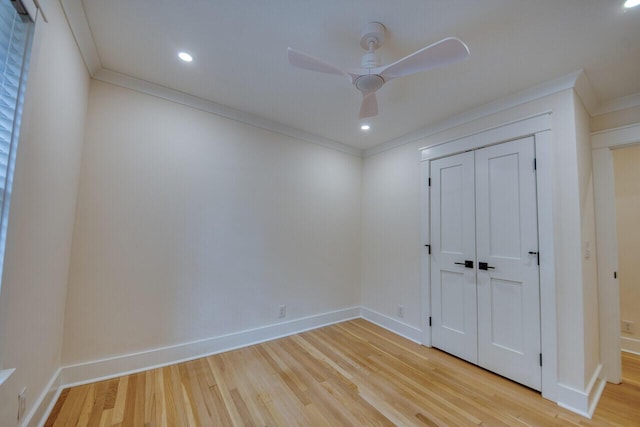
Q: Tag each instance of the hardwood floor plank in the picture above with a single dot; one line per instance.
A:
(348, 374)
(105, 419)
(160, 402)
(98, 403)
(231, 403)
(121, 399)
(55, 412)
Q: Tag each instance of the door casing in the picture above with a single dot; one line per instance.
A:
(607, 243)
(540, 128)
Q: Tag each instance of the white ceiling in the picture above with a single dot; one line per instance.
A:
(240, 54)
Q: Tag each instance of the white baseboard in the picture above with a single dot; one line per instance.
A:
(136, 362)
(578, 401)
(630, 345)
(407, 331)
(113, 367)
(583, 402)
(45, 403)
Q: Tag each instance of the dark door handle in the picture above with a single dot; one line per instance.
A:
(467, 263)
(484, 266)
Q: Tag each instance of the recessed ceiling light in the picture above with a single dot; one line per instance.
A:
(185, 57)
(631, 3)
(365, 127)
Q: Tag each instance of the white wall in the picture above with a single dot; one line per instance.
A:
(190, 226)
(391, 240)
(392, 249)
(32, 299)
(588, 232)
(627, 193)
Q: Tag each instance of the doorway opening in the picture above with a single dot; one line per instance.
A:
(620, 143)
(627, 194)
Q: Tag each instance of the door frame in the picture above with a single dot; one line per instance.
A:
(607, 243)
(538, 126)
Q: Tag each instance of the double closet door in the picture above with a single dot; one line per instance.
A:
(485, 288)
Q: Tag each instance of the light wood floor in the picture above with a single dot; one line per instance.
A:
(350, 374)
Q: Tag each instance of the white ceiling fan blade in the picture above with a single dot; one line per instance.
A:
(446, 51)
(369, 107)
(304, 61)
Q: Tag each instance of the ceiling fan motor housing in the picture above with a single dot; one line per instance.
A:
(369, 83)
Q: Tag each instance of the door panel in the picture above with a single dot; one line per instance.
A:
(452, 290)
(453, 286)
(452, 202)
(509, 293)
(507, 330)
(503, 201)
(483, 209)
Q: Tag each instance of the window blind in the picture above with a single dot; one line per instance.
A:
(15, 44)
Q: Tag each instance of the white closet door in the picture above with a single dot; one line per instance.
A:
(453, 286)
(509, 289)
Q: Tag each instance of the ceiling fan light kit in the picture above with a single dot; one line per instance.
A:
(371, 76)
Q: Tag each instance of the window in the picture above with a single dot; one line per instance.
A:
(15, 42)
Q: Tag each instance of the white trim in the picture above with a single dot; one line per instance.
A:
(616, 138)
(583, 402)
(618, 104)
(513, 130)
(45, 403)
(162, 92)
(77, 20)
(595, 388)
(607, 262)
(97, 370)
(546, 233)
(425, 259)
(607, 243)
(399, 328)
(538, 126)
(540, 91)
(5, 374)
(585, 92)
(33, 7)
(112, 367)
(630, 345)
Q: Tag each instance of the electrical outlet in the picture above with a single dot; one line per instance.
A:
(401, 311)
(627, 327)
(22, 403)
(283, 312)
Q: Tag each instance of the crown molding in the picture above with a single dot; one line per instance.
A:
(578, 81)
(79, 25)
(77, 21)
(618, 104)
(584, 89)
(540, 91)
(142, 86)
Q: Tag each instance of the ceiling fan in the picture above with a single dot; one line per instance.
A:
(371, 75)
